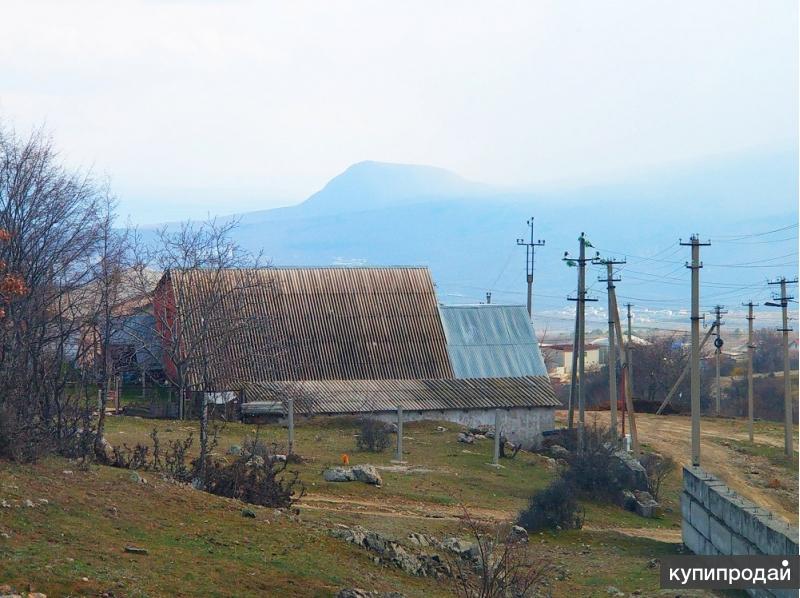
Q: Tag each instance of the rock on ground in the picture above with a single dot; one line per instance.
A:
(357, 473)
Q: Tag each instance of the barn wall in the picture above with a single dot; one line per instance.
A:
(520, 425)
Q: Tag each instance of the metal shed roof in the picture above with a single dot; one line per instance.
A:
(491, 341)
(363, 396)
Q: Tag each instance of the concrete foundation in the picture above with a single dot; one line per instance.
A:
(717, 521)
(520, 425)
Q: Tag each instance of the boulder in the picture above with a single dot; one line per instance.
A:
(367, 474)
(357, 473)
(632, 470)
(628, 500)
(518, 534)
(559, 452)
(234, 449)
(420, 539)
(460, 547)
(338, 474)
(247, 512)
(466, 438)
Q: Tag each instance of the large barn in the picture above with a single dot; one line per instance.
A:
(355, 341)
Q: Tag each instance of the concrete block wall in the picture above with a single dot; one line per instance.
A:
(717, 521)
(521, 425)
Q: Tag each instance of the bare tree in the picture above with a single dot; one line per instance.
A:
(209, 324)
(502, 564)
(52, 219)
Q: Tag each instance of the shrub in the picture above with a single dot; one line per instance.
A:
(375, 436)
(596, 473)
(657, 467)
(255, 481)
(554, 507)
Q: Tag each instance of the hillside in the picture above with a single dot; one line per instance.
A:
(391, 214)
(71, 540)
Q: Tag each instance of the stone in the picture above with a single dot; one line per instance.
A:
(338, 474)
(613, 591)
(5, 504)
(67, 472)
(559, 452)
(29, 503)
(419, 539)
(361, 473)
(367, 474)
(457, 546)
(441, 429)
(136, 478)
(234, 450)
(518, 534)
(135, 550)
(628, 500)
(479, 437)
(466, 438)
(248, 512)
(632, 470)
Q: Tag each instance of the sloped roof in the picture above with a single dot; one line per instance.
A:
(363, 396)
(318, 324)
(491, 341)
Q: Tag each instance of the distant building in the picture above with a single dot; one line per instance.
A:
(561, 357)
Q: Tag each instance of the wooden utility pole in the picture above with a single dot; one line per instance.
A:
(628, 389)
(573, 374)
(750, 348)
(787, 386)
(695, 244)
(718, 342)
(685, 371)
(581, 300)
(530, 246)
(629, 349)
(612, 356)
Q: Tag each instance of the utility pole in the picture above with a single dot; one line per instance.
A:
(573, 375)
(719, 310)
(628, 390)
(629, 349)
(488, 297)
(612, 357)
(581, 299)
(530, 246)
(750, 348)
(695, 244)
(787, 387)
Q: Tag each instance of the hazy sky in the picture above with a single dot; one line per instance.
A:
(226, 106)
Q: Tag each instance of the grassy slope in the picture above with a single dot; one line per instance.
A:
(201, 545)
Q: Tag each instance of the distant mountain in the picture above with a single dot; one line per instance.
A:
(381, 214)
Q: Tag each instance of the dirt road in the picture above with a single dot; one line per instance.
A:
(747, 475)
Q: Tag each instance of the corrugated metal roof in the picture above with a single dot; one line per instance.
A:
(491, 341)
(362, 396)
(312, 324)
